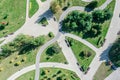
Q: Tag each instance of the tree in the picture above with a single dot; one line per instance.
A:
(74, 25)
(95, 30)
(56, 49)
(2, 26)
(92, 5)
(53, 50)
(114, 53)
(55, 7)
(108, 14)
(7, 49)
(98, 16)
(39, 41)
(51, 34)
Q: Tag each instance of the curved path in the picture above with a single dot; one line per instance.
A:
(57, 36)
(87, 0)
(82, 41)
(41, 65)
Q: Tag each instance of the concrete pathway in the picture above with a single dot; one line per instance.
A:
(41, 65)
(87, 0)
(114, 75)
(27, 10)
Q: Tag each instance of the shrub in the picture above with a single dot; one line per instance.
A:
(31, 78)
(53, 50)
(17, 63)
(1, 69)
(42, 72)
(51, 34)
(92, 4)
(5, 16)
(58, 72)
(2, 26)
(17, 57)
(24, 59)
(89, 54)
(11, 61)
(82, 54)
(58, 78)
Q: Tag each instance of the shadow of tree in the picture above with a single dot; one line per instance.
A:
(48, 14)
(104, 54)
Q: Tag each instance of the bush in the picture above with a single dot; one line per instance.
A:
(58, 78)
(1, 69)
(17, 63)
(114, 53)
(92, 5)
(11, 61)
(2, 26)
(88, 54)
(53, 50)
(42, 72)
(5, 16)
(82, 54)
(23, 44)
(51, 34)
(24, 59)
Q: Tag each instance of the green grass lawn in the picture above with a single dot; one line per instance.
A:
(103, 71)
(64, 3)
(52, 73)
(9, 68)
(43, 0)
(15, 11)
(43, 21)
(77, 48)
(33, 7)
(59, 57)
(105, 27)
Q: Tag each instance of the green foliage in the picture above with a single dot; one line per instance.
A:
(99, 16)
(51, 34)
(114, 53)
(44, 21)
(92, 5)
(22, 43)
(55, 7)
(17, 63)
(2, 26)
(78, 22)
(53, 50)
(88, 25)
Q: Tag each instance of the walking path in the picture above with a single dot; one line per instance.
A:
(102, 52)
(83, 41)
(27, 11)
(110, 39)
(87, 0)
(41, 65)
(69, 55)
(115, 75)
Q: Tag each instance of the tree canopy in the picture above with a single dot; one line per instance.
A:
(114, 53)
